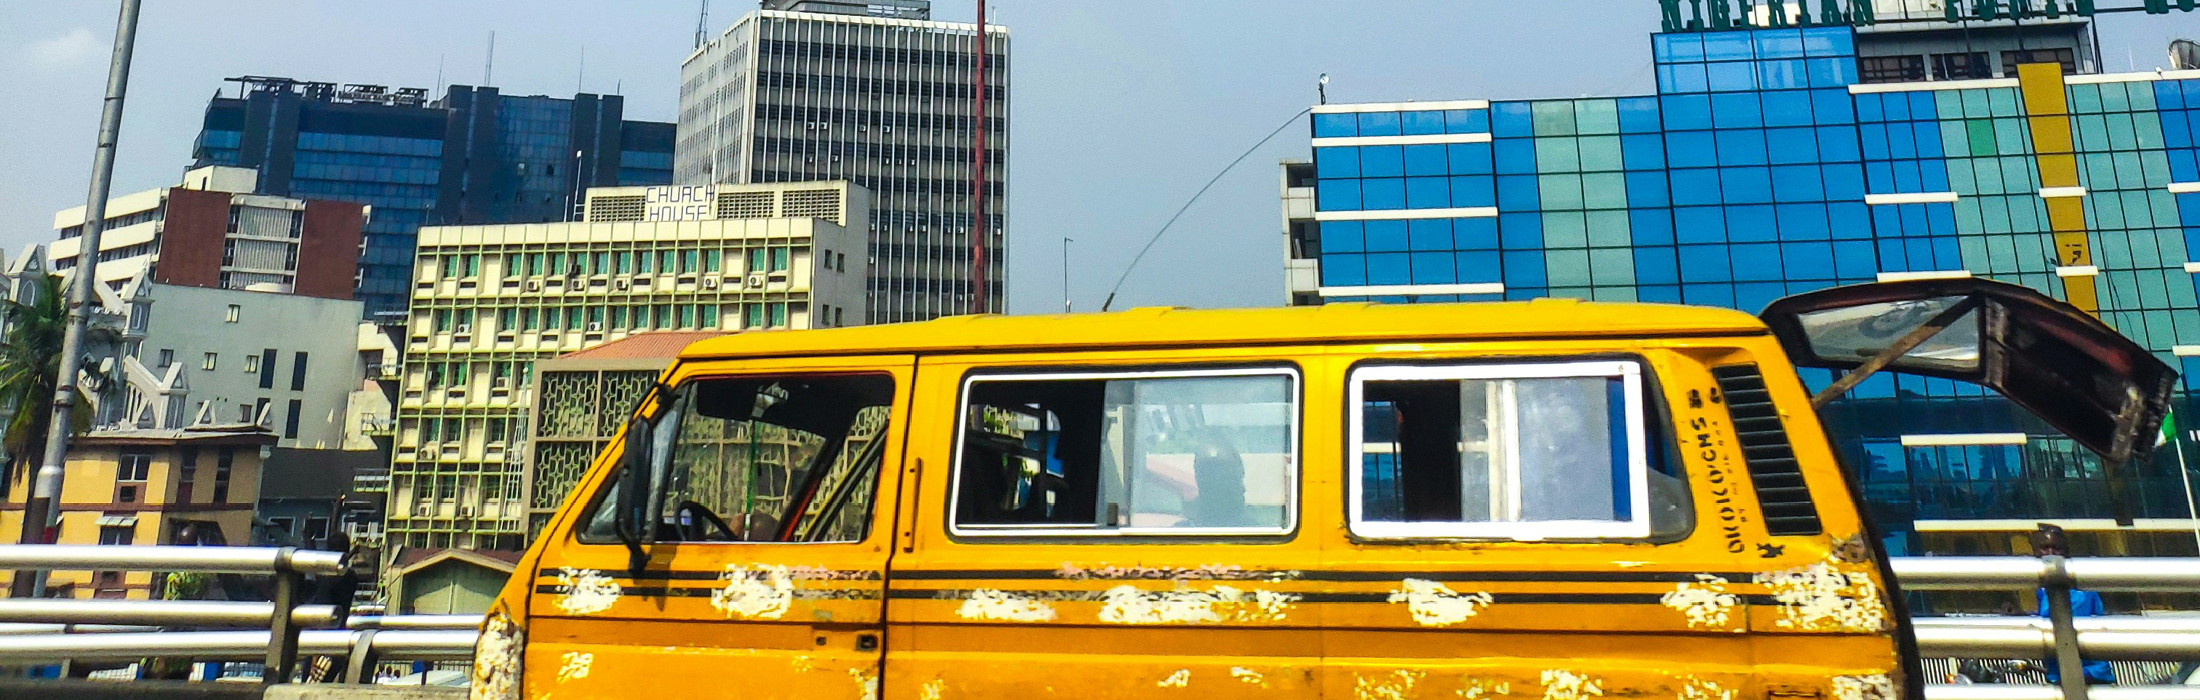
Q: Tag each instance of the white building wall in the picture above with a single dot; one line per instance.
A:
(191, 323)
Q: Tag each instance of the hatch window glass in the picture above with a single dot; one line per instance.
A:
(1507, 451)
(1211, 452)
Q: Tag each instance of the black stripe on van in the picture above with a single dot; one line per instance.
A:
(1773, 469)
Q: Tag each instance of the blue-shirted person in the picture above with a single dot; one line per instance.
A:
(2050, 540)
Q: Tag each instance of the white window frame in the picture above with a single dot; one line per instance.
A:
(1630, 374)
(1291, 462)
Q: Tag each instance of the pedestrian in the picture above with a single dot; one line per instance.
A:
(2050, 540)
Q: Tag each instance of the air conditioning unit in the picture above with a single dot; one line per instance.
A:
(710, 283)
(595, 326)
(465, 328)
(756, 281)
(503, 383)
(430, 453)
(622, 284)
(465, 511)
(424, 509)
(534, 285)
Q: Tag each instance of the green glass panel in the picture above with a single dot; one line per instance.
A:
(2112, 251)
(1560, 191)
(2004, 102)
(2180, 295)
(1973, 249)
(1567, 268)
(1614, 294)
(2001, 254)
(1604, 191)
(2164, 206)
(1569, 292)
(1612, 266)
(2138, 208)
(2148, 129)
(2128, 173)
(2142, 97)
(1979, 135)
(1974, 104)
(1600, 153)
(2188, 328)
(1557, 155)
(2153, 170)
(1553, 117)
(1967, 216)
(1596, 117)
(2085, 99)
(2123, 289)
(2009, 137)
(2108, 213)
(2121, 135)
(2090, 132)
(2098, 170)
(2114, 98)
(1566, 229)
(1961, 177)
(2027, 213)
(2017, 175)
(1949, 103)
(2145, 253)
(1609, 228)
(1994, 214)
(1989, 178)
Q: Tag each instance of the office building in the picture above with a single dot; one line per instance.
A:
(475, 156)
(581, 401)
(1764, 166)
(215, 231)
(489, 301)
(885, 102)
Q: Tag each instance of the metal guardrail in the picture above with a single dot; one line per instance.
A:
(2062, 637)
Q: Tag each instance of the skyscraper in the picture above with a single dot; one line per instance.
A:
(475, 156)
(875, 93)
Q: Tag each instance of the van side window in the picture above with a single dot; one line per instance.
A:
(1213, 452)
(752, 452)
(1551, 450)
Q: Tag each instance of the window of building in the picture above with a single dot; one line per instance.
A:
(167, 357)
(208, 362)
(259, 409)
(779, 314)
(187, 473)
(2011, 59)
(298, 371)
(297, 226)
(251, 364)
(758, 257)
(1179, 452)
(222, 464)
(1509, 452)
(1963, 66)
(1891, 69)
(131, 470)
(316, 530)
(779, 259)
(119, 535)
(267, 360)
(234, 312)
(235, 211)
(710, 261)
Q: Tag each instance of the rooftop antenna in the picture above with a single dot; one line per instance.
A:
(439, 72)
(702, 24)
(489, 66)
(1321, 87)
(980, 234)
(581, 78)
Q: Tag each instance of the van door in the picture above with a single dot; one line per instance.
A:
(767, 576)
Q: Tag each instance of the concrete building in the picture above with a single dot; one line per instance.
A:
(488, 301)
(831, 93)
(148, 487)
(581, 401)
(1912, 41)
(213, 231)
(475, 156)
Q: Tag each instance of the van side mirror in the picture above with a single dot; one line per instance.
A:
(636, 516)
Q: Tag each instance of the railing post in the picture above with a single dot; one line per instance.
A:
(282, 640)
(2067, 663)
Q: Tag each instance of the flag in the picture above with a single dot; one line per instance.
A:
(2169, 429)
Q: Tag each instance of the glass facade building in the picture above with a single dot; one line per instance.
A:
(1764, 167)
(473, 157)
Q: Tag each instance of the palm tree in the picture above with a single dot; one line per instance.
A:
(30, 357)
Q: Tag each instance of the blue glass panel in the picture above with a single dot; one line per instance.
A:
(1755, 296)
(1689, 149)
(1699, 224)
(1524, 270)
(1428, 193)
(1851, 220)
(1920, 250)
(1837, 144)
(1895, 107)
(1658, 294)
(1517, 193)
(1389, 268)
(1421, 123)
(2192, 92)
(1926, 135)
(1639, 115)
(2167, 96)
(1337, 162)
(1781, 75)
(1642, 152)
(1467, 121)
(1797, 183)
(1741, 147)
(1434, 267)
(1470, 158)
(1803, 222)
(1646, 189)
(2184, 167)
(1708, 294)
(1843, 181)
(1756, 261)
(1343, 237)
(1683, 77)
(1681, 47)
(1870, 107)
(2176, 129)
(1650, 226)
(1657, 265)
(1661, 47)
(1873, 137)
(1791, 145)
(1854, 260)
(1787, 108)
(1932, 176)
(1825, 41)
(1695, 186)
(1941, 221)
(1736, 110)
(1705, 263)
(1429, 234)
(1474, 234)
(1479, 266)
(1906, 177)
(1886, 221)
(1383, 193)
(1831, 72)
(1382, 161)
(1751, 223)
(1512, 119)
(1378, 123)
(1832, 106)
(1337, 195)
(1731, 77)
(1515, 156)
(1779, 43)
(1727, 46)
(1751, 185)
(1386, 236)
(1521, 232)
(1473, 191)
(1344, 270)
(1923, 105)
(1683, 112)
(1425, 160)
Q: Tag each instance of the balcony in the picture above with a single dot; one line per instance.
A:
(378, 426)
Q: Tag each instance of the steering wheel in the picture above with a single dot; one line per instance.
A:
(688, 519)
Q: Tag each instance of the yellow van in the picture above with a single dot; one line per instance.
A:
(1549, 499)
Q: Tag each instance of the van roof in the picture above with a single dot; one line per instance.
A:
(1173, 327)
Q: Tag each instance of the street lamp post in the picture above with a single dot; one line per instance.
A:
(1066, 240)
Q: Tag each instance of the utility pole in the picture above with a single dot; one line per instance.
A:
(40, 512)
(980, 235)
(1066, 240)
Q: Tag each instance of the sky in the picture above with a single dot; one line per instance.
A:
(1121, 110)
